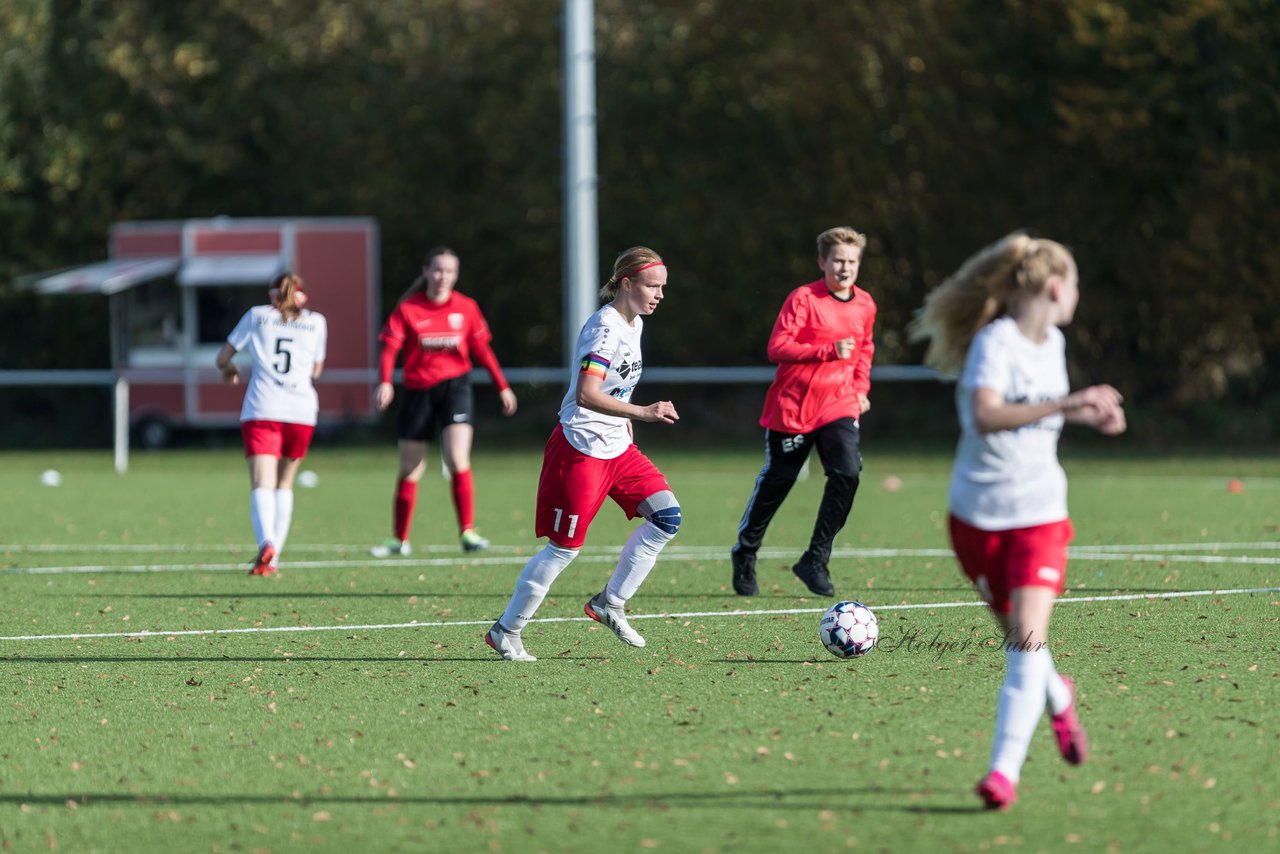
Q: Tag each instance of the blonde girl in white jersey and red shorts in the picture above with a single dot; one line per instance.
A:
(590, 456)
(287, 345)
(995, 321)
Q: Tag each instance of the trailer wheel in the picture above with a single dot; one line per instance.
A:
(153, 432)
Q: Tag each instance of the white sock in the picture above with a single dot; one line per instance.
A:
(638, 557)
(1058, 693)
(262, 510)
(1022, 701)
(284, 518)
(532, 586)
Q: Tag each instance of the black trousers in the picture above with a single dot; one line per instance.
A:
(784, 455)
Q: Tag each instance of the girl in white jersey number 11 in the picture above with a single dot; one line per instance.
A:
(995, 322)
(287, 344)
(590, 456)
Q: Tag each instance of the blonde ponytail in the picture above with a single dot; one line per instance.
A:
(288, 296)
(980, 291)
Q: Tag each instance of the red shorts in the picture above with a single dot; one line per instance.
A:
(573, 487)
(999, 562)
(276, 439)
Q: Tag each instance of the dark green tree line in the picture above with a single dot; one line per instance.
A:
(731, 132)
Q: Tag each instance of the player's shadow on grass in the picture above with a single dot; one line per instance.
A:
(282, 594)
(790, 662)
(229, 659)
(839, 798)
(169, 658)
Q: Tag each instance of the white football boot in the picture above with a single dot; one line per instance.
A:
(391, 547)
(507, 644)
(598, 609)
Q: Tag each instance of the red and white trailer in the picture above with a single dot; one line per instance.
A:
(175, 289)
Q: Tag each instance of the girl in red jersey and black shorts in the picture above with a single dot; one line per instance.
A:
(590, 456)
(996, 322)
(441, 331)
(822, 344)
(287, 344)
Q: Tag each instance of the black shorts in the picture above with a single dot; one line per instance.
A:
(839, 445)
(425, 412)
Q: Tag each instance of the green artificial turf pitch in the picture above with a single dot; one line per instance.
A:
(352, 702)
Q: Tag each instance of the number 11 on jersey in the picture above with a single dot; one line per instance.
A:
(573, 522)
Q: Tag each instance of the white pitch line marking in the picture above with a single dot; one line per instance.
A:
(605, 557)
(1132, 597)
(437, 548)
(242, 567)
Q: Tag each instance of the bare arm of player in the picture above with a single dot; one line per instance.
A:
(589, 396)
(1094, 406)
(1100, 409)
(230, 373)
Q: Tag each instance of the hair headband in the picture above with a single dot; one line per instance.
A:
(641, 267)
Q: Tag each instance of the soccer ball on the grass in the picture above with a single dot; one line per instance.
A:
(848, 630)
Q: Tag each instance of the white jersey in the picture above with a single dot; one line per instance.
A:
(1011, 478)
(284, 355)
(609, 347)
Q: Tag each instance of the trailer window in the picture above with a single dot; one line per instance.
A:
(220, 307)
(153, 314)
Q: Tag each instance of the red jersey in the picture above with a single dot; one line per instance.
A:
(442, 338)
(813, 387)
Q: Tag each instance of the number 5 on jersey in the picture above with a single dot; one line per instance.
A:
(281, 350)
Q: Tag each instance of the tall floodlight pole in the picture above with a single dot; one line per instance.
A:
(581, 254)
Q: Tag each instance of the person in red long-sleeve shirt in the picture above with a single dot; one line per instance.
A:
(440, 331)
(822, 344)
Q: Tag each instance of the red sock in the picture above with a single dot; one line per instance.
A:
(406, 496)
(464, 503)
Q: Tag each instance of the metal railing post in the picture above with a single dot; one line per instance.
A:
(122, 424)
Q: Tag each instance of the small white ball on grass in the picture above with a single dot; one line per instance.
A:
(892, 483)
(51, 477)
(309, 479)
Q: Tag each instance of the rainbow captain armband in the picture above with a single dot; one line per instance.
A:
(593, 364)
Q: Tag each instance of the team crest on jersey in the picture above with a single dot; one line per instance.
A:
(455, 320)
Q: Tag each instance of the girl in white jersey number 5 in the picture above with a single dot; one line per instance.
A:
(995, 321)
(287, 344)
